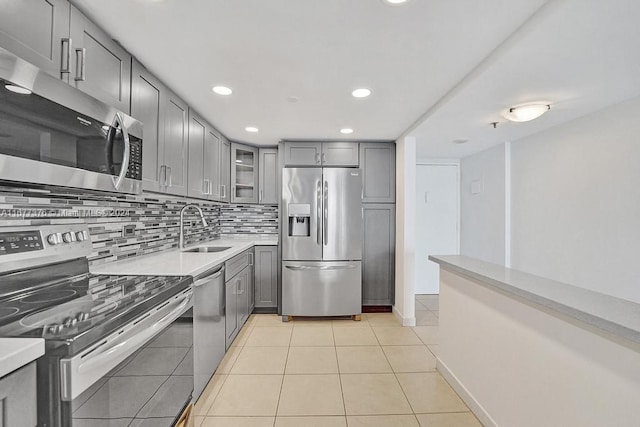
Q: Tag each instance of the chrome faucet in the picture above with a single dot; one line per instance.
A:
(204, 222)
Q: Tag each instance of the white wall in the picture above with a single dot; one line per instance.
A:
(404, 307)
(482, 215)
(576, 202)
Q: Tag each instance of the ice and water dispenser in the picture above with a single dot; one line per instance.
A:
(299, 220)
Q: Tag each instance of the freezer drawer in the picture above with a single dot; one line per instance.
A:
(321, 288)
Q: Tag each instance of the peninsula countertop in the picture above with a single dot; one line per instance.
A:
(17, 352)
(179, 263)
(614, 315)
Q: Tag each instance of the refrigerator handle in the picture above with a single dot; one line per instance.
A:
(326, 212)
(318, 211)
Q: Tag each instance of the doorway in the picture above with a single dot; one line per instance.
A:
(437, 221)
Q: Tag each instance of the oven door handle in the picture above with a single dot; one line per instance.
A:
(133, 342)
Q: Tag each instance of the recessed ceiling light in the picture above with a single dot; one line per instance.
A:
(394, 2)
(346, 131)
(361, 93)
(18, 89)
(251, 129)
(222, 90)
(525, 113)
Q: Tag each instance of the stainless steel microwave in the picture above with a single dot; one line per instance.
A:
(52, 133)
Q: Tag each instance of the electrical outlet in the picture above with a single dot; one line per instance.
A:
(129, 230)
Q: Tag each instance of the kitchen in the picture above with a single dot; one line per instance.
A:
(237, 179)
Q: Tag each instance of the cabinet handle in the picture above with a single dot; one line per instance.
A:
(223, 190)
(317, 158)
(324, 158)
(169, 181)
(251, 260)
(80, 64)
(206, 187)
(65, 56)
(260, 197)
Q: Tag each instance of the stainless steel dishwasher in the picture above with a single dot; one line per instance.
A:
(208, 327)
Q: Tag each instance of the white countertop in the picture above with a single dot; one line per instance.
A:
(614, 315)
(176, 263)
(17, 352)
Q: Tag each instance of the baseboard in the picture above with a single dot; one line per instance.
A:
(265, 310)
(467, 397)
(406, 321)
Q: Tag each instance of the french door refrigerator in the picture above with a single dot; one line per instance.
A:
(322, 242)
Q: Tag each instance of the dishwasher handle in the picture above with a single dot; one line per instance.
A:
(206, 279)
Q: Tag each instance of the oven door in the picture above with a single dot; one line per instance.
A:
(52, 133)
(140, 375)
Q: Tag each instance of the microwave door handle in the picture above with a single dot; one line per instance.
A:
(117, 181)
(133, 342)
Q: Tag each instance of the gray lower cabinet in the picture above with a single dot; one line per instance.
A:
(99, 65)
(34, 30)
(266, 276)
(378, 164)
(321, 153)
(268, 182)
(146, 107)
(251, 281)
(18, 405)
(238, 285)
(378, 254)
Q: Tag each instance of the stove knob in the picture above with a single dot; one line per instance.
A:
(69, 237)
(81, 317)
(82, 236)
(55, 329)
(54, 239)
(70, 322)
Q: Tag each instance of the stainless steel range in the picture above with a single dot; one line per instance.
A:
(118, 349)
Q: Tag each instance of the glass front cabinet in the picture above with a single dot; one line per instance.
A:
(244, 174)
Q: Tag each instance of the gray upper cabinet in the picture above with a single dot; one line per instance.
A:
(173, 174)
(244, 174)
(378, 254)
(266, 276)
(302, 153)
(145, 106)
(268, 169)
(212, 166)
(34, 30)
(225, 170)
(99, 65)
(340, 154)
(378, 163)
(198, 186)
(321, 154)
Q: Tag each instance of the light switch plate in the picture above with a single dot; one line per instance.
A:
(476, 186)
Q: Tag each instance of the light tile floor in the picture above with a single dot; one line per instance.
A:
(330, 373)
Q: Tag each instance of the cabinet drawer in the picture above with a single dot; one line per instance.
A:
(236, 264)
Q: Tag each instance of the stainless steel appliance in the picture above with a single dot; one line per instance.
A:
(208, 327)
(52, 133)
(118, 349)
(321, 242)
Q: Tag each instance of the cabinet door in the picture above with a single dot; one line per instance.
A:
(34, 30)
(378, 254)
(225, 171)
(340, 154)
(18, 405)
(244, 173)
(251, 282)
(302, 153)
(175, 145)
(99, 65)
(212, 152)
(231, 310)
(268, 168)
(197, 186)
(242, 300)
(145, 106)
(378, 164)
(266, 276)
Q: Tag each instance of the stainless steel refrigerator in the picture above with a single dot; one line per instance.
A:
(322, 242)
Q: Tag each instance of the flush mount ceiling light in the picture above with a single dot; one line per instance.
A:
(525, 113)
(346, 131)
(251, 129)
(361, 92)
(18, 89)
(222, 90)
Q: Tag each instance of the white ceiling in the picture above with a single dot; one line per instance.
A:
(320, 50)
(578, 55)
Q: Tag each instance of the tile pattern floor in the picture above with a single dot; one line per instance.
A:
(326, 373)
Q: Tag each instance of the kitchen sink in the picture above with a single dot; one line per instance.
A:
(205, 249)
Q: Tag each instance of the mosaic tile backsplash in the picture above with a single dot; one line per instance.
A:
(155, 217)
